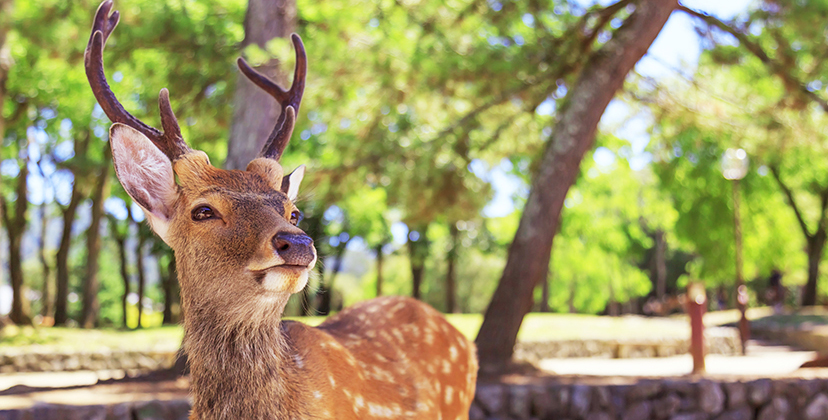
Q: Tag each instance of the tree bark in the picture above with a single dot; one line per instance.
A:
(91, 306)
(379, 269)
(659, 267)
(139, 263)
(451, 260)
(417, 254)
(62, 257)
(816, 245)
(572, 136)
(326, 290)
(16, 228)
(45, 291)
(815, 241)
(120, 241)
(169, 281)
(254, 111)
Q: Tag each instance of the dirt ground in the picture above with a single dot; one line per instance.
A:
(85, 388)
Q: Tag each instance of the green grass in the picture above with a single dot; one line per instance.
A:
(73, 339)
(536, 327)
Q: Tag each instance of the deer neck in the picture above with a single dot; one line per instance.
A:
(240, 364)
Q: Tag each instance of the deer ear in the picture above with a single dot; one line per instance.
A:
(146, 174)
(290, 183)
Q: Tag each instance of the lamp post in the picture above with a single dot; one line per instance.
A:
(734, 168)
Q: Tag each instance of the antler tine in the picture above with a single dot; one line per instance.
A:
(289, 100)
(169, 142)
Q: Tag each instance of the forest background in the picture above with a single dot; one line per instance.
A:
(423, 126)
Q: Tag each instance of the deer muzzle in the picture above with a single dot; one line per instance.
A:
(295, 249)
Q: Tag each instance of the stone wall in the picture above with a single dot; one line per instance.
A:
(146, 410)
(717, 341)
(762, 399)
(562, 399)
(130, 361)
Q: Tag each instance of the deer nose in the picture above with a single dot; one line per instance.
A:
(295, 249)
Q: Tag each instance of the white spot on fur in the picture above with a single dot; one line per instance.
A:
(331, 378)
(453, 353)
(317, 395)
(449, 394)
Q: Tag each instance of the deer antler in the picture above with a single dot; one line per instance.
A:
(170, 141)
(289, 100)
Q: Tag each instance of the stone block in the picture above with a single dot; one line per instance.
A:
(476, 413)
(759, 392)
(644, 390)
(580, 401)
(663, 408)
(520, 403)
(736, 394)
(598, 415)
(817, 409)
(637, 411)
(491, 398)
(741, 413)
(711, 397)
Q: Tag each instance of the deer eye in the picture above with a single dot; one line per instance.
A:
(201, 213)
(296, 217)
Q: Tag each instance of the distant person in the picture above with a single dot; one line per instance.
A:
(721, 298)
(775, 295)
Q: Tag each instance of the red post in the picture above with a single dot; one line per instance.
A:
(696, 307)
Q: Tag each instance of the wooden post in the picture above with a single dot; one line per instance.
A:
(696, 307)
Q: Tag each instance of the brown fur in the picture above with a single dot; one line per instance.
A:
(389, 357)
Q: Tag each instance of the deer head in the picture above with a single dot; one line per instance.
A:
(234, 233)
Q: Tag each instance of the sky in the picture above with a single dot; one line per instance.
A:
(674, 53)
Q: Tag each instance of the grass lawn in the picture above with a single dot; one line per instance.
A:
(71, 339)
(536, 327)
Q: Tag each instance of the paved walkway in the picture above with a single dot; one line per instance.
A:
(762, 359)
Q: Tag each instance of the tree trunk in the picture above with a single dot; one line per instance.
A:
(379, 269)
(816, 245)
(659, 266)
(572, 136)
(170, 280)
(139, 263)
(62, 257)
(45, 291)
(451, 259)
(120, 240)
(326, 290)
(16, 228)
(417, 255)
(254, 111)
(91, 306)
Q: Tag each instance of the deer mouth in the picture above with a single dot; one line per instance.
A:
(259, 275)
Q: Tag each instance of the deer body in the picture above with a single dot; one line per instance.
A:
(390, 358)
(240, 255)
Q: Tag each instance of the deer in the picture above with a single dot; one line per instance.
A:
(240, 255)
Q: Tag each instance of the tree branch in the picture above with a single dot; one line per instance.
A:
(789, 195)
(793, 84)
(604, 15)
